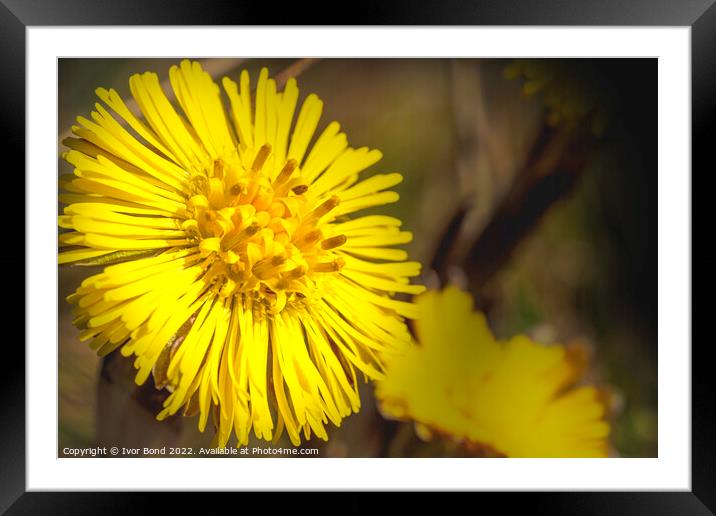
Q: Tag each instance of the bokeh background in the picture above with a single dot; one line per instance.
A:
(530, 182)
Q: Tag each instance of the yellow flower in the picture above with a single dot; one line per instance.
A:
(570, 97)
(512, 397)
(243, 286)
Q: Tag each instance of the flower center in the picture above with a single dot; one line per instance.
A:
(259, 235)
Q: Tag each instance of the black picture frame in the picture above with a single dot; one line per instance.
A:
(17, 15)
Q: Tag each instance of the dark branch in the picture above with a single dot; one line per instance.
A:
(553, 170)
(294, 70)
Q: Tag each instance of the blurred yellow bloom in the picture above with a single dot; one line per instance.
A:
(568, 98)
(513, 397)
(245, 287)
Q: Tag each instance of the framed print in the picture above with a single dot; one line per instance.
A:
(414, 258)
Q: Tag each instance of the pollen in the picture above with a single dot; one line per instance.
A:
(242, 225)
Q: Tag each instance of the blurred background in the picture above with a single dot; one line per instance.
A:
(530, 182)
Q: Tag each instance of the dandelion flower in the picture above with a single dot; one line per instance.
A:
(234, 273)
(514, 398)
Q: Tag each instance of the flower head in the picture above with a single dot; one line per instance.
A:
(512, 397)
(244, 287)
(567, 90)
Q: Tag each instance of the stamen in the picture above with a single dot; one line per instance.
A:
(240, 217)
(285, 173)
(238, 189)
(252, 229)
(266, 268)
(263, 198)
(216, 192)
(333, 266)
(245, 233)
(200, 182)
(295, 273)
(238, 272)
(191, 226)
(300, 189)
(261, 157)
(219, 169)
(333, 242)
(325, 207)
(312, 236)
